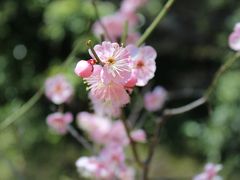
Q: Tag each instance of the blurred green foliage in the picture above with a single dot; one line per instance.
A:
(191, 43)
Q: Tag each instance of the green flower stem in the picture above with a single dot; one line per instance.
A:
(167, 113)
(125, 34)
(221, 70)
(156, 21)
(35, 98)
(90, 46)
(80, 139)
(25, 108)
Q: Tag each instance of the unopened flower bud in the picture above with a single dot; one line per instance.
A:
(84, 69)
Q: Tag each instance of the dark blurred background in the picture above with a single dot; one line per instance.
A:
(36, 36)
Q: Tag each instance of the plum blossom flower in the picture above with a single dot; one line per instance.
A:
(132, 38)
(132, 5)
(143, 63)
(114, 25)
(127, 173)
(58, 89)
(117, 134)
(108, 165)
(154, 100)
(210, 172)
(234, 38)
(138, 135)
(59, 122)
(111, 92)
(97, 127)
(90, 167)
(116, 62)
(104, 108)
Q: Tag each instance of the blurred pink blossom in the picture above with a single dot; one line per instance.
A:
(114, 25)
(143, 63)
(108, 165)
(132, 5)
(234, 38)
(90, 167)
(132, 38)
(210, 172)
(59, 122)
(58, 89)
(97, 127)
(154, 100)
(117, 134)
(104, 108)
(139, 135)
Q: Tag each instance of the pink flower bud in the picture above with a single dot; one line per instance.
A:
(84, 68)
(138, 135)
(131, 82)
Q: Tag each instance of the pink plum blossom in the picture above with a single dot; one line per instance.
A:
(131, 5)
(83, 69)
(234, 38)
(132, 38)
(111, 92)
(138, 135)
(143, 63)
(89, 167)
(127, 173)
(108, 165)
(154, 100)
(114, 25)
(113, 154)
(58, 89)
(59, 122)
(97, 127)
(104, 108)
(131, 82)
(117, 134)
(210, 172)
(116, 62)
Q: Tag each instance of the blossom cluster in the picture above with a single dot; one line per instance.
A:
(111, 135)
(118, 71)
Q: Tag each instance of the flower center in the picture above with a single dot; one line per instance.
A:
(111, 61)
(139, 64)
(58, 88)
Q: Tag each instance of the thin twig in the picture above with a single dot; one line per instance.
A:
(156, 21)
(221, 70)
(80, 139)
(167, 113)
(25, 107)
(132, 144)
(100, 21)
(90, 45)
(152, 148)
(36, 97)
(185, 108)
